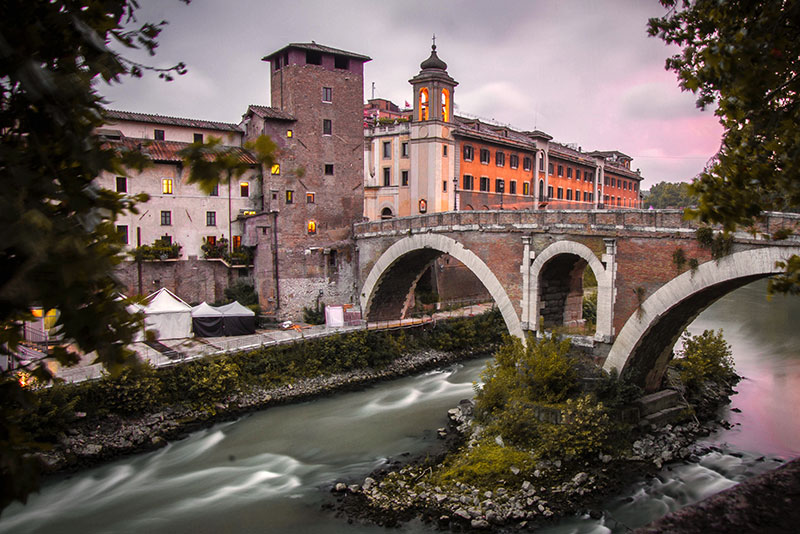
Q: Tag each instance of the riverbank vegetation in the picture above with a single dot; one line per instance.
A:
(207, 388)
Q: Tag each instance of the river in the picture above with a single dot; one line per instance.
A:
(270, 471)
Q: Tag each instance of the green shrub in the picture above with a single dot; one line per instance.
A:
(314, 315)
(704, 357)
(585, 432)
(590, 308)
(52, 410)
(201, 383)
(134, 390)
(242, 291)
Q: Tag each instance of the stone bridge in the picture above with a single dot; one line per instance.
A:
(653, 276)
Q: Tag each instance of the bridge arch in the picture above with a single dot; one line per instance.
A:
(643, 347)
(603, 274)
(424, 248)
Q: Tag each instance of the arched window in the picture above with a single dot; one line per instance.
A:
(445, 105)
(423, 205)
(312, 227)
(424, 104)
(386, 213)
(541, 189)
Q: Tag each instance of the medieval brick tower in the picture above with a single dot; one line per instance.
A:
(314, 193)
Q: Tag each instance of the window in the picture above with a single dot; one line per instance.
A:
(211, 218)
(485, 156)
(404, 178)
(122, 231)
(341, 62)
(158, 135)
(211, 240)
(606, 181)
(625, 185)
(444, 150)
(310, 198)
(586, 196)
(386, 213)
(423, 205)
(276, 169)
(560, 193)
(569, 172)
(329, 169)
(404, 150)
(244, 189)
(588, 176)
(327, 127)
(387, 149)
(289, 196)
(387, 176)
(577, 174)
(549, 191)
(327, 94)
(444, 186)
(550, 169)
(484, 185)
(237, 242)
(122, 184)
(214, 192)
(512, 187)
(499, 185)
(166, 218)
(289, 133)
(166, 186)
(166, 238)
(606, 199)
(561, 170)
(526, 163)
(311, 227)
(198, 138)
(500, 158)
(569, 194)
(468, 182)
(513, 161)
(313, 57)
(541, 165)
(526, 188)
(469, 153)
(423, 104)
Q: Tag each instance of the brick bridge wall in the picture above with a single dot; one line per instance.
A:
(632, 250)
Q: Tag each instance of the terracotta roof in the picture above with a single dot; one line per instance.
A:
(167, 151)
(319, 48)
(267, 112)
(114, 115)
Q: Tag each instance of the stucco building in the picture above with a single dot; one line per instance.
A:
(439, 162)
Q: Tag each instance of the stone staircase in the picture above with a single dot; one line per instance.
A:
(661, 407)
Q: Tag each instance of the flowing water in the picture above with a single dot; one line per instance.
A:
(270, 471)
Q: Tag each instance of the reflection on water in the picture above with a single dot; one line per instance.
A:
(269, 471)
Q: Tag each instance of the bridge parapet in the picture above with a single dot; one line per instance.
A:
(588, 222)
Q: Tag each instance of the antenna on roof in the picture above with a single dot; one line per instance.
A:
(434, 42)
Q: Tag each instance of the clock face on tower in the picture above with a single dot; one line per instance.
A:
(423, 131)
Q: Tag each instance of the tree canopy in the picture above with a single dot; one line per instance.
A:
(742, 58)
(669, 195)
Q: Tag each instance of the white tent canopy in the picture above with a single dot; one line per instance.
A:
(238, 320)
(204, 309)
(168, 315)
(234, 309)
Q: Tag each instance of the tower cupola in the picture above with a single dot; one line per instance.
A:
(433, 90)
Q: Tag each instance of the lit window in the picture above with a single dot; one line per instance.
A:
(122, 231)
(289, 196)
(327, 127)
(122, 184)
(244, 189)
(166, 186)
(310, 198)
(237, 242)
(166, 218)
(327, 94)
(198, 138)
(312, 227)
(158, 135)
(445, 106)
(275, 169)
(423, 205)
(329, 169)
(289, 133)
(526, 188)
(211, 218)
(211, 240)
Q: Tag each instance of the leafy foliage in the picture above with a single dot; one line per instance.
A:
(706, 356)
(159, 250)
(486, 464)
(242, 291)
(743, 58)
(134, 390)
(670, 195)
(314, 315)
(585, 432)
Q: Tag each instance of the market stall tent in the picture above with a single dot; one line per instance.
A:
(238, 320)
(207, 321)
(168, 315)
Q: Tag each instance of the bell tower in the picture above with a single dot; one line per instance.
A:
(431, 140)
